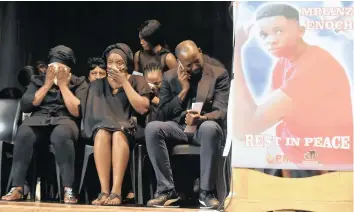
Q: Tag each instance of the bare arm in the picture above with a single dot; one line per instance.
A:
(250, 118)
(71, 101)
(136, 62)
(171, 61)
(33, 97)
(140, 103)
(40, 94)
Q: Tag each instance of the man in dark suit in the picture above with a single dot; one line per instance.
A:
(193, 81)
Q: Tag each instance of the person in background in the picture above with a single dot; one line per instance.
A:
(25, 74)
(41, 67)
(153, 76)
(96, 67)
(192, 81)
(108, 119)
(152, 41)
(54, 101)
(10, 93)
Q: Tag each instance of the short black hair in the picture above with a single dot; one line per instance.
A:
(93, 62)
(40, 64)
(271, 10)
(25, 74)
(152, 67)
(152, 32)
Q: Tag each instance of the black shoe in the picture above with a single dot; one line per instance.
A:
(208, 200)
(165, 199)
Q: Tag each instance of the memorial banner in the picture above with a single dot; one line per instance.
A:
(291, 104)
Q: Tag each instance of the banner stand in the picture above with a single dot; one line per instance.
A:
(254, 191)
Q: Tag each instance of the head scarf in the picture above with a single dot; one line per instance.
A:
(62, 54)
(123, 50)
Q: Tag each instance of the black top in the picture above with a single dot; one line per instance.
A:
(52, 110)
(146, 57)
(212, 90)
(113, 112)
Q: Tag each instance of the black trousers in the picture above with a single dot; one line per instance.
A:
(62, 137)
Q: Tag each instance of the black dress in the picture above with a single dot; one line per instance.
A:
(112, 112)
(147, 57)
(52, 111)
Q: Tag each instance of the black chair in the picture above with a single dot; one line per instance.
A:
(10, 116)
(221, 188)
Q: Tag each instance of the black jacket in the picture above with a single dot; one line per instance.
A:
(213, 90)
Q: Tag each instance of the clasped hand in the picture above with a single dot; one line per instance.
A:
(62, 76)
(119, 76)
(193, 118)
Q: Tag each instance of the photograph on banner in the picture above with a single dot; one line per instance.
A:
(291, 104)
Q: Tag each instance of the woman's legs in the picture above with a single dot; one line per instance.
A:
(62, 139)
(103, 160)
(25, 139)
(120, 158)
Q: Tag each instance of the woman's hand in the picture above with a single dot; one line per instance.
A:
(63, 76)
(50, 76)
(119, 76)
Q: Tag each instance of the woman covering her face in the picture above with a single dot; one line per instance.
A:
(108, 120)
(54, 101)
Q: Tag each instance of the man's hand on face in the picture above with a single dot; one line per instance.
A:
(184, 77)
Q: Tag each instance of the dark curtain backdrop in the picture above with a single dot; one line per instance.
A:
(29, 29)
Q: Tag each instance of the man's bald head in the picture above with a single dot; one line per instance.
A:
(186, 48)
(189, 56)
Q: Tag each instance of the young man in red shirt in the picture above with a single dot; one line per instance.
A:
(310, 94)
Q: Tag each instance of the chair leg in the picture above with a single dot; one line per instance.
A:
(57, 169)
(84, 168)
(140, 175)
(87, 199)
(33, 183)
(58, 180)
(1, 169)
(132, 173)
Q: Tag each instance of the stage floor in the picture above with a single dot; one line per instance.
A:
(48, 207)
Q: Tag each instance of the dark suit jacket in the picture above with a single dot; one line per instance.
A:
(213, 90)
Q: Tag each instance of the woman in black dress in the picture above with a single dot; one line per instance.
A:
(108, 120)
(54, 101)
(152, 41)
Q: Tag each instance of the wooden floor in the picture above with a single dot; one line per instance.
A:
(49, 207)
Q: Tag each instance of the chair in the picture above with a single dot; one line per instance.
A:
(88, 151)
(10, 116)
(186, 149)
(139, 155)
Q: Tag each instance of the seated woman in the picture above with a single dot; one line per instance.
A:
(152, 41)
(96, 67)
(107, 119)
(54, 100)
(25, 75)
(153, 76)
